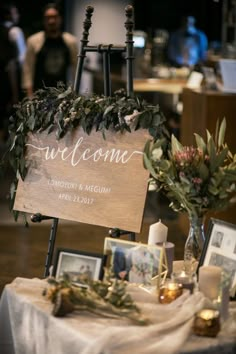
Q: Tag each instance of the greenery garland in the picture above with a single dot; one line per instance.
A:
(59, 110)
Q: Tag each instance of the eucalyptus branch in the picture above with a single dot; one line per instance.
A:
(107, 299)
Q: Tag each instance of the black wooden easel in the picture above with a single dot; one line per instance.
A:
(106, 51)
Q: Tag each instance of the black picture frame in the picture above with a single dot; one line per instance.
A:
(78, 265)
(220, 249)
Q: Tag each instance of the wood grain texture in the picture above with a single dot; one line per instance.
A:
(201, 109)
(82, 180)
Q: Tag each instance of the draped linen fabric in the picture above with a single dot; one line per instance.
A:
(27, 326)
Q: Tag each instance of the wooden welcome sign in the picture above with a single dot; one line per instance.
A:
(86, 178)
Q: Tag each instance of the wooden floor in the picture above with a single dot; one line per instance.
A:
(23, 250)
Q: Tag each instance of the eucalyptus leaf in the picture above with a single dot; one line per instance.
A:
(222, 132)
(87, 111)
(213, 190)
(108, 110)
(65, 93)
(159, 143)
(50, 128)
(20, 128)
(184, 180)
(31, 123)
(200, 142)
(208, 135)
(147, 164)
(217, 131)
(175, 145)
(203, 171)
(164, 165)
(220, 158)
(147, 148)
(212, 153)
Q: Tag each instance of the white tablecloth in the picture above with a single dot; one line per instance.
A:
(27, 326)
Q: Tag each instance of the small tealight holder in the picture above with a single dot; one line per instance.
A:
(186, 279)
(207, 323)
(169, 292)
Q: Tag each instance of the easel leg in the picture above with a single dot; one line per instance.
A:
(51, 243)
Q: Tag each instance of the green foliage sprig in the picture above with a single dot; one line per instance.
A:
(104, 298)
(195, 179)
(59, 110)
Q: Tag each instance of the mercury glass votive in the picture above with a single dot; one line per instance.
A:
(207, 323)
(169, 292)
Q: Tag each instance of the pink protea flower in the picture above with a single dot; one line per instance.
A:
(196, 180)
(187, 155)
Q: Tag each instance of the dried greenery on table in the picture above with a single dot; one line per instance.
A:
(59, 110)
(106, 298)
(195, 179)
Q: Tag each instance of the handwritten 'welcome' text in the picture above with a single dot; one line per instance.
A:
(75, 155)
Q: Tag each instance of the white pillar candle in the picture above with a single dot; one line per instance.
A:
(209, 281)
(157, 233)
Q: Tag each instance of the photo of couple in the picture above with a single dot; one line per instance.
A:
(137, 264)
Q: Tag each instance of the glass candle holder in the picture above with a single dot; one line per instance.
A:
(169, 292)
(186, 279)
(207, 323)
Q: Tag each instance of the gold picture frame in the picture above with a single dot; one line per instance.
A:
(135, 262)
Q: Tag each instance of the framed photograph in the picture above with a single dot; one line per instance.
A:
(220, 248)
(78, 265)
(135, 262)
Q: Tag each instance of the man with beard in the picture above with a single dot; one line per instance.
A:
(51, 55)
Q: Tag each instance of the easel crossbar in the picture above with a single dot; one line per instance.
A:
(105, 48)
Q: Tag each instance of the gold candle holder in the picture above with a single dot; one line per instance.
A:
(207, 323)
(169, 292)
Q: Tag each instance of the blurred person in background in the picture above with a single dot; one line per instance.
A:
(51, 55)
(12, 52)
(188, 45)
(16, 35)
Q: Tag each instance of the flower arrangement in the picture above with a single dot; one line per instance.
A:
(195, 179)
(107, 298)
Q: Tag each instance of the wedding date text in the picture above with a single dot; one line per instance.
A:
(75, 198)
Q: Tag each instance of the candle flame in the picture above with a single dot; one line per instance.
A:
(208, 314)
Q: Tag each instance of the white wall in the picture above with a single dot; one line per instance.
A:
(107, 21)
(107, 28)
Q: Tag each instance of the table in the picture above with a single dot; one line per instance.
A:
(169, 86)
(27, 327)
(165, 92)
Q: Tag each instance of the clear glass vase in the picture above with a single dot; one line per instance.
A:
(194, 243)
